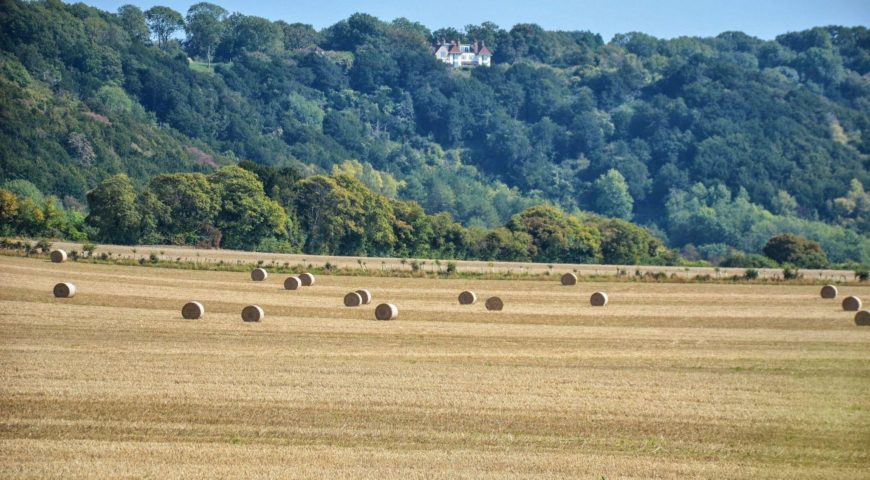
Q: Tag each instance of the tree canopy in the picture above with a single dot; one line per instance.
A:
(725, 140)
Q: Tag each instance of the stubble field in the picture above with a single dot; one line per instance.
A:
(669, 380)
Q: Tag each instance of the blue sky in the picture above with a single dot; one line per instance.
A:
(662, 18)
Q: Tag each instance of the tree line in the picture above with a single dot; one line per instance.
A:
(261, 208)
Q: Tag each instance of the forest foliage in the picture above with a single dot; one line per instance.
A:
(320, 214)
(714, 144)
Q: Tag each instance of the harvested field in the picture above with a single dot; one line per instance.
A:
(703, 381)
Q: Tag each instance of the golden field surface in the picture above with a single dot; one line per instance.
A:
(667, 381)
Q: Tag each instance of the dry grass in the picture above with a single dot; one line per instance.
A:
(710, 381)
(187, 254)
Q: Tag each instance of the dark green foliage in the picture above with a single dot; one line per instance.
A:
(623, 243)
(712, 216)
(751, 260)
(228, 207)
(191, 203)
(298, 35)
(163, 22)
(611, 197)
(722, 131)
(502, 244)
(342, 217)
(796, 250)
(133, 22)
(204, 26)
(245, 215)
(557, 237)
(338, 215)
(114, 211)
(278, 183)
(246, 34)
(789, 273)
(67, 125)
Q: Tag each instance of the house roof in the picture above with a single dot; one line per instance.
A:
(456, 48)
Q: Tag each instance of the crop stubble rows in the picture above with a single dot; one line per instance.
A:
(668, 381)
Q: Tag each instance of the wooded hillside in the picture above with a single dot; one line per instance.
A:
(714, 144)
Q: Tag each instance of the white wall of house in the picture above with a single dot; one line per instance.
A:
(467, 57)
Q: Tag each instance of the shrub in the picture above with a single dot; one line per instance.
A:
(789, 273)
(44, 245)
(274, 245)
(657, 276)
(750, 274)
(796, 250)
(748, 260)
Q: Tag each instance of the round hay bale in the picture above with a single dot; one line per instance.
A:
(259, 274)
(353, 299)
(252, 313)
(851, 304)
(58, 256)
(386, 311)
(467, 298)
(292, 283)
(862, 318)
(569, 279)
(829, 291)
(192, 310)
(494, 303)
(598, 299)
(64, 290)
(307, 279)
(366, 296)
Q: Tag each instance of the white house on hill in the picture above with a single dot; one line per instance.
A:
(460, 55)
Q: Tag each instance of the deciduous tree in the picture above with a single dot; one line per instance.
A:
(163, 22)
(204, 25)
(796, 250)
(610, 196)
(114, 211)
